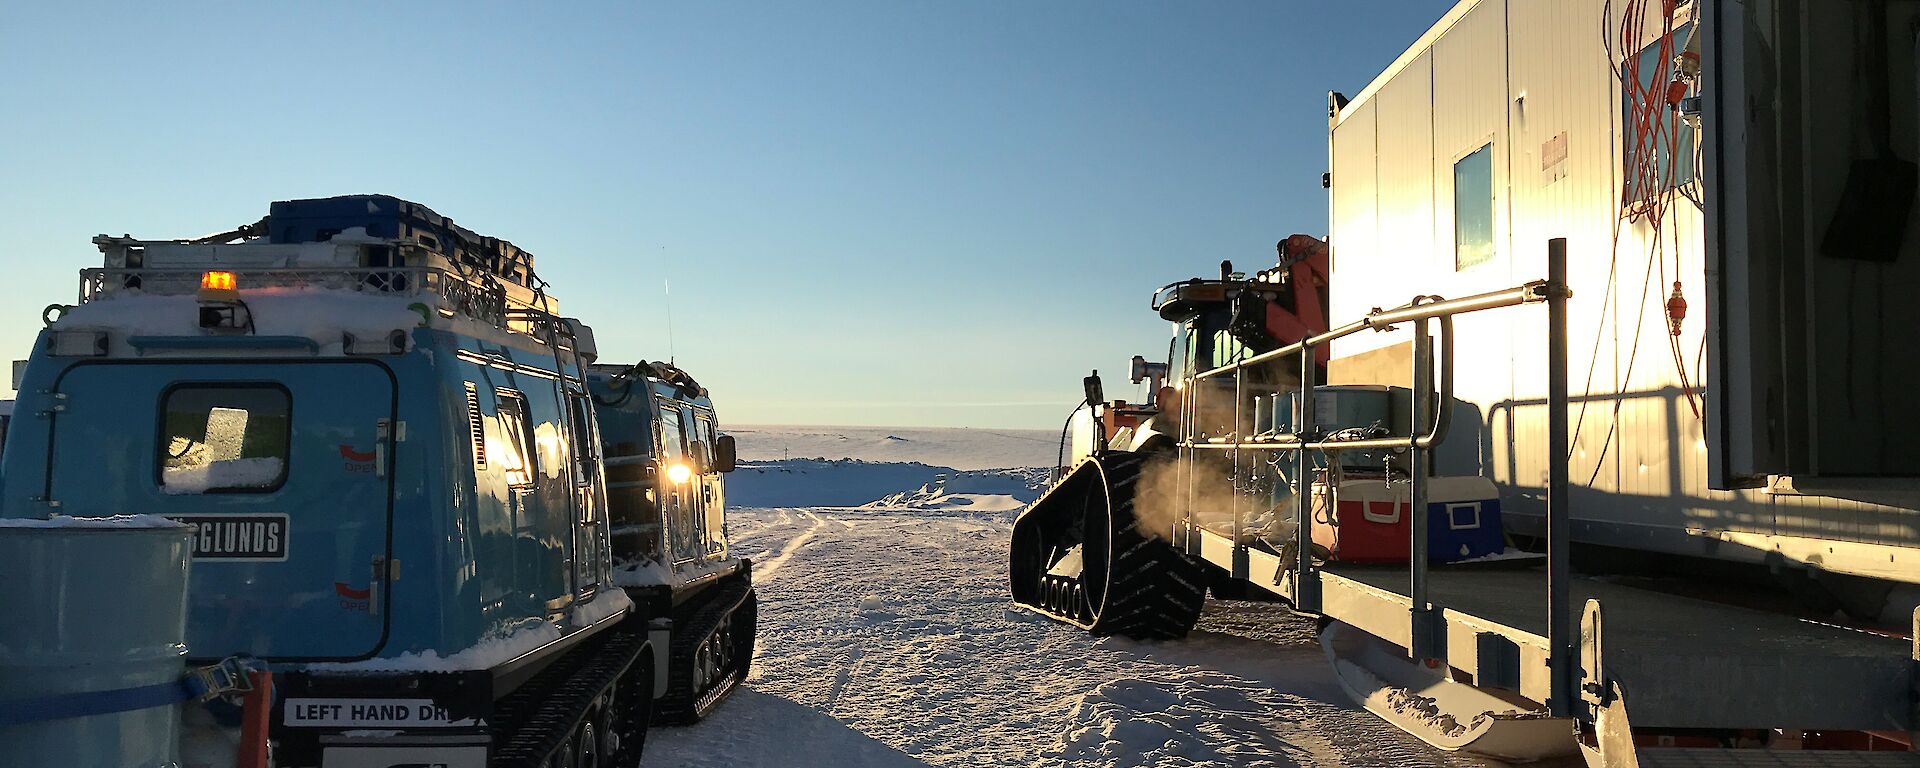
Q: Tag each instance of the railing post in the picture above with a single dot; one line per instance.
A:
(1240, 558)
(1561, 649)
(1424, 641)
(1183, 453)
(1306, 586)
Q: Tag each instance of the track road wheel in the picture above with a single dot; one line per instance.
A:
(588, 745)
(1080, 555)
(568, 755)
(628, 714)
(711, 652)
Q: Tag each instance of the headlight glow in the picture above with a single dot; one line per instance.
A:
(679, 473)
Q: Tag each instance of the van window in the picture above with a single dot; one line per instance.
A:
(1473, 208)
(1659, 150)
(515, 451)
(223, 437)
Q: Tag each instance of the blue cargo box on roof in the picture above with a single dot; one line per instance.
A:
(388, 217)
(384, 216)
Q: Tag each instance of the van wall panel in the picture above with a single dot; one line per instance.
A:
(1535, 78)
(1355, 220)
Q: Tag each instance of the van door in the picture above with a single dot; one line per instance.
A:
(283, 470)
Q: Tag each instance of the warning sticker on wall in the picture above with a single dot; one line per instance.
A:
(1553, 158)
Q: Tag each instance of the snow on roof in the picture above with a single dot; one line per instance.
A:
(110, 522)
(315, 313)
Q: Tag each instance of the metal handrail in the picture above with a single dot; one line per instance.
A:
(1304, 439)
(1380, 320)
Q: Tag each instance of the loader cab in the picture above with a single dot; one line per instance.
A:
(665, 462)
(1198, 310)
(1202, 314)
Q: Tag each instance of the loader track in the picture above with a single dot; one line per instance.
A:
(1081, 556)
(711, 652)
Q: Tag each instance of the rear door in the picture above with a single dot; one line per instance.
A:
(284, 472)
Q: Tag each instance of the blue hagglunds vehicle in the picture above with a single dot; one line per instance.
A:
(414, 497)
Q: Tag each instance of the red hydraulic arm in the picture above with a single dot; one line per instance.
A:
(1303, 312)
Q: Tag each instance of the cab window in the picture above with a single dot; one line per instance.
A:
(223, 438)
(673, 442)
(1180, 354)
(1228, 349)
(702, 437)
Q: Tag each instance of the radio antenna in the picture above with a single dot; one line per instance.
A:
(667, 285)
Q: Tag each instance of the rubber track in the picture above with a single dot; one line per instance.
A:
(530, 723)
(1154, 592)
(682, 705)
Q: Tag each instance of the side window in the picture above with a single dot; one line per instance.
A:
(515, 450)
(1180, 353)
(1473, 208)
(702, 441)
(583, 444)
(673, 442)
(224, 438)
(1228, 349)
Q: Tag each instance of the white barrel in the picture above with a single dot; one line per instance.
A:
(92, 604)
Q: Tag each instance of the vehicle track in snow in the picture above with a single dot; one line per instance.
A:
(766, 570)
(887, 639)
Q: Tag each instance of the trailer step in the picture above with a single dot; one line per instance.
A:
(1445, 714)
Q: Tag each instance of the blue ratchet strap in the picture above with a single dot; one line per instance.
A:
(202, 684)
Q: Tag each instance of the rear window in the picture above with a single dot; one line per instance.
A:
(230, 438)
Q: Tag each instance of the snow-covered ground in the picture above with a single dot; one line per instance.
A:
(887, 639)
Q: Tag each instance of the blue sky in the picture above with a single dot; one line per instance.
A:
(881, 213)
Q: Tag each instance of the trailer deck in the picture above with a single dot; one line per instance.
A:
(1495, 629)
(1807, 675)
